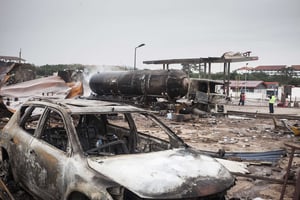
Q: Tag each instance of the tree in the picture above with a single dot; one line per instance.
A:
(48, 70)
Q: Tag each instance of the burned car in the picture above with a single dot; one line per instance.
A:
(86, 149)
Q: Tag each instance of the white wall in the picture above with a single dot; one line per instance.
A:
(259, 97)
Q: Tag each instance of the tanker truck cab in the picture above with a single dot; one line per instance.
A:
(89, 149)
(205, 96)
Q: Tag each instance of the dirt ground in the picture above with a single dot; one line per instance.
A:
(243, 134)
(234, 133)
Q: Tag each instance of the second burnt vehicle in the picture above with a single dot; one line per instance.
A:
(85, 149)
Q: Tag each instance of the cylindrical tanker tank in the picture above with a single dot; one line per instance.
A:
(167, 83)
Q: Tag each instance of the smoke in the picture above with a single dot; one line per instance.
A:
(90, 70)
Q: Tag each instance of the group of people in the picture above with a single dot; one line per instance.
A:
(272, 100)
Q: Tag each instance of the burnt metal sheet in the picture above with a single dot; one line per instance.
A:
(224, 59)
(4, 70)
(49, 86)
(52, 87)
(266, 156)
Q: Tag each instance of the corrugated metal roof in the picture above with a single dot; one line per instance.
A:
(245, 68)
(271, 83)
(225, 58)
(12, 58)
(269, 67)
(241, 84)
(295, 67)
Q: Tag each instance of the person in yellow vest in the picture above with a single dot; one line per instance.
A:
(271, 103)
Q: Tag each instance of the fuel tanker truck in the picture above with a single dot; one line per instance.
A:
(149, 87)
(140, 85)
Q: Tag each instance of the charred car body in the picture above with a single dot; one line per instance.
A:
(85, 149)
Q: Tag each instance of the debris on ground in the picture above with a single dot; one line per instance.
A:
(254, 142)
(256, 146)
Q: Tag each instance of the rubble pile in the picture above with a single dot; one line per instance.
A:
(243, 134)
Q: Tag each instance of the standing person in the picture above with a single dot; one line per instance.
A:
(242, 99)
(271, 103)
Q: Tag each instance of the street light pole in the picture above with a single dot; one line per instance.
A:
(246, 77)
(134, 66)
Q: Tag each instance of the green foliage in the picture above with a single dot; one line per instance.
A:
(217, 76)
(287, 77)
(48, 70)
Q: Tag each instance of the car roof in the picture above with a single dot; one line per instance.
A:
(76, 106)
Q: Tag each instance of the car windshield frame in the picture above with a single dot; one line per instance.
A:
(173, 139)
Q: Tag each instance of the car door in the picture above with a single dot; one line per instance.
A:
(22, 134)
(49, 154)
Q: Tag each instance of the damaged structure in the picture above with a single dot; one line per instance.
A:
(85, 149)
(203, 93)
(159, 89)
(179, 92)
(18, 83)
(204, 65)
(57, 86)
(12, 72)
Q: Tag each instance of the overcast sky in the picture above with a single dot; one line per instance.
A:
(105, 32)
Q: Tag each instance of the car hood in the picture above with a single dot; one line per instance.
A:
(176, 173)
